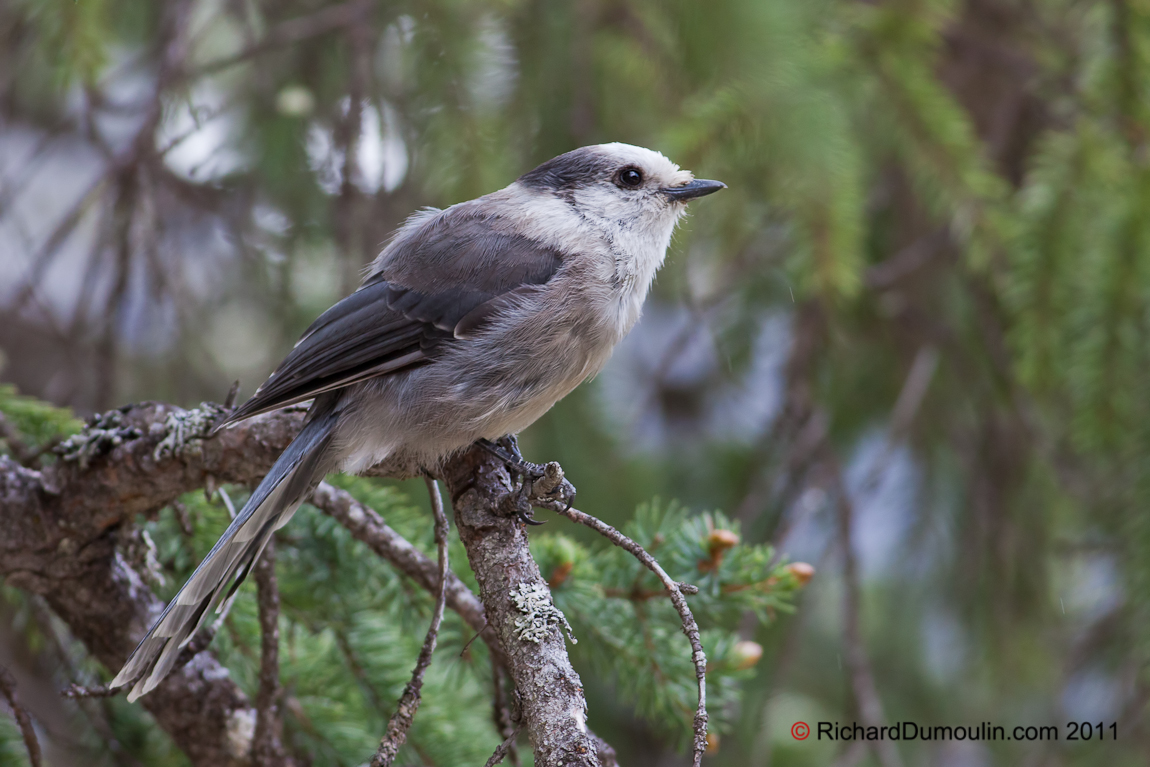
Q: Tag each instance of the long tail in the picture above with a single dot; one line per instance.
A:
(299, 469)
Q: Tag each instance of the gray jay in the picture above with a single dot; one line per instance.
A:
(469, 326)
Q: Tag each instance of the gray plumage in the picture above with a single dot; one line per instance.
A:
(470, 324)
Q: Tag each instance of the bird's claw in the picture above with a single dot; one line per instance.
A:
(526, 516)
(536, 481)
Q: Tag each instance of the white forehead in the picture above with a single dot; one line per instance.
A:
(653, 163)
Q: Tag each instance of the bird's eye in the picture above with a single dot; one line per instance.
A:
(630, 177)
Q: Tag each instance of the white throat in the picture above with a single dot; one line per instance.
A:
(637, 246)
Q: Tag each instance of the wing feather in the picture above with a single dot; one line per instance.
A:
(431, 287)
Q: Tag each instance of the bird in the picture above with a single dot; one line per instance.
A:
(472, 322)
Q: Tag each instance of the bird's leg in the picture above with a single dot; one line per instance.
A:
(530, 472)
(547, 478)
(507, 451)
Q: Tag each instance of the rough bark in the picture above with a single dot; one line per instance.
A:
(551, 700)
(59, 528)
(58, 531)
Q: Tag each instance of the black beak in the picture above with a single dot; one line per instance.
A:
(700, 187)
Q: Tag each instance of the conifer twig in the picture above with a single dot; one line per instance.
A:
(505, 722)
(78, 692)
(197, 645)
(367, 526)
(8, 691)
(503, 748)
(267, 748)
(676, 590)
(401, 720)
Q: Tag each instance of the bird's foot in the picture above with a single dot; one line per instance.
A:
(537, 481)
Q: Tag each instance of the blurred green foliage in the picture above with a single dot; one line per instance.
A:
(34, 420)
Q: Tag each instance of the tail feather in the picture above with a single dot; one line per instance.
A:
(299, 469)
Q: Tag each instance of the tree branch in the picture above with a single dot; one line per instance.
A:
(59, 529)
(27, 731)
(404, 715)
(267, 745)
(862, 679)
(551, 697)
(58, 535)
(501, 714)
(365, 525)
(676, 590)
(502, 749)
(292, 31)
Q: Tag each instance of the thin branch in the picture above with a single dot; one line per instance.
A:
(505, 723)
(356, 668)
(404, 715)
(267, 747)
(862, 678)
(14, 185)
(350, 205)
(467, 645)
(819, 448)
(690, 627)
(851, 755)
(908, 260)
(503, 748)
(906, 407)
(199, 643)
(79, 692)
(794, 424)
(8, 690)
(107, 348)
(293, 31)
(197, 126)
(51, 246)
(367, 526)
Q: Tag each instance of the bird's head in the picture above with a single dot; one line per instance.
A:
(638, 189)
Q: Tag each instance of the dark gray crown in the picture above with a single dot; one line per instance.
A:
(579, 167)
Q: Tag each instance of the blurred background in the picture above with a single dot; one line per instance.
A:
(908, 345)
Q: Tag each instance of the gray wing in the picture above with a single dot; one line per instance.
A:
(440, 283)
